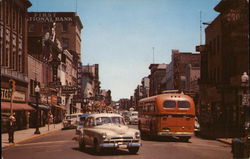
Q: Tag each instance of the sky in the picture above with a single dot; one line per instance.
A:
(119, 35)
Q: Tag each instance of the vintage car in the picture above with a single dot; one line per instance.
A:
(80, 125)
(133, 117)
(71, 120)
(108, 131)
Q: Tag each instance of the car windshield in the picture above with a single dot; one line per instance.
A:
(106, 120)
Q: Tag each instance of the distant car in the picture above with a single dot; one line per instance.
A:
(196, 127)
(71, 120)
(109, 131)
(133, 117)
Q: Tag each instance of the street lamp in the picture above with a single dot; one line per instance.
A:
(37, 90)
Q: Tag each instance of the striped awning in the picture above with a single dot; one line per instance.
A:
(15, 106)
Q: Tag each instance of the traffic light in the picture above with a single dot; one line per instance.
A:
(12, 85)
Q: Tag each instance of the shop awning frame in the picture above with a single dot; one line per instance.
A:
(16, 106)
(41, 106)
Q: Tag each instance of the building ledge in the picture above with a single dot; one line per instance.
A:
(14, 74)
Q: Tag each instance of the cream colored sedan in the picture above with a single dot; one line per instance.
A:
(108, 131)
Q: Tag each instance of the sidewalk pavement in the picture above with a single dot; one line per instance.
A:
(225, 140)
(27, 134)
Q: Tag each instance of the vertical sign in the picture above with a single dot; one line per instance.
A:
(79, 77)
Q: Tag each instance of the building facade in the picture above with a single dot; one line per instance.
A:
(13, 60)
(180, 63)
(158, 72)
(55, 39)
(225, 57)
(90, 79)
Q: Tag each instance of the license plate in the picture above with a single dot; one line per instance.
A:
(123, 146)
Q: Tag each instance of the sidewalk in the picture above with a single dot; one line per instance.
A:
(225, 140)
(27, 134)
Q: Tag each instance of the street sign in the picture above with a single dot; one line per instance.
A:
(69, 89)
(54, 84)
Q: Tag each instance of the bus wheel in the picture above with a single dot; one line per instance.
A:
(184, 138)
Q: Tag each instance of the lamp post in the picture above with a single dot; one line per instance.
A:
(37, 90)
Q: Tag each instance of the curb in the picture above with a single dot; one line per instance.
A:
(29, 138)
(225, 142)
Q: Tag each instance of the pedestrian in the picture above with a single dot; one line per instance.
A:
(11, 130)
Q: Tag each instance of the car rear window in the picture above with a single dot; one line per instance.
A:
(183, 104)
(169, 104)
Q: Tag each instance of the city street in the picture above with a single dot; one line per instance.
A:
(60, 145)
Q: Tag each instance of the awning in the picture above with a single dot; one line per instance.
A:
(60, 107)
(40, 106)
(15, 106)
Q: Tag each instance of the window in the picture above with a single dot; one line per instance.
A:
(14, 19)
(64, 27)
(218, 43)
(31, 27)
(7, 14)
(183, 104)
(20, 63)
(169, 104)
(20, 23)
(45, 28)
(65, 42)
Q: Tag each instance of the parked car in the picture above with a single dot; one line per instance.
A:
(108, 131)
(196, 127)
(133, 117)
(71, 120)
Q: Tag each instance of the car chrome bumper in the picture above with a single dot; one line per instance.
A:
(116, 145)
(175, 134)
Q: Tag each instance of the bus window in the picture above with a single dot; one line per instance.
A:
(169, 104)
(183, 104)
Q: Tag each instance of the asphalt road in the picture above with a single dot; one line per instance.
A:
(59, 145)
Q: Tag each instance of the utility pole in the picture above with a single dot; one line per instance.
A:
(200, 28)
(153, 54)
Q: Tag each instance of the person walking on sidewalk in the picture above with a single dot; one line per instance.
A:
(11, 129)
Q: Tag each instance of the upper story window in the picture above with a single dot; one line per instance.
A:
(65, 27)
(31, 27)
(65, 43)
(7, 14)
(45, 28)
(14, 18)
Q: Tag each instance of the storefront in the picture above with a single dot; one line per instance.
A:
(21, 109)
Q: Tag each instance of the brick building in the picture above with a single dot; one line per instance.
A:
(90, 81)
(55, 39)
(13, 60)
(224, 58)
(158, 71)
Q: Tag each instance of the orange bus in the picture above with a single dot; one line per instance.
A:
(170, 114)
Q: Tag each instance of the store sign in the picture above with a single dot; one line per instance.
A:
(68, 89)
(52, 100)
(47, 17)
(17, 96)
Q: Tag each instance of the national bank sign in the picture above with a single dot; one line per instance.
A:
(50, 17)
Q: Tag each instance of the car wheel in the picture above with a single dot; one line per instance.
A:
(133, 150)
(98, 149)
(184, 139)
(82, 145)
